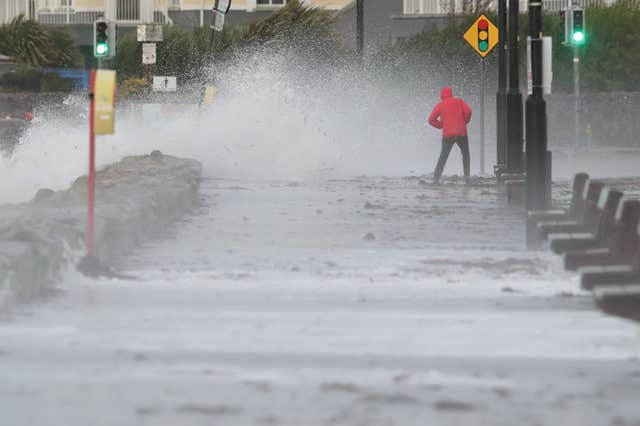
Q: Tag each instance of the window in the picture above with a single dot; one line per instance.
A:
(49, 4)
(411, 6)
(271, 2)
(436, 7)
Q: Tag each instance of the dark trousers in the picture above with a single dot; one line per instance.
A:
(447, 144)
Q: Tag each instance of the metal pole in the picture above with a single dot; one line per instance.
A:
(576, 95)
(501, 124)
(482, 90)
(536, 115)
(212, 37)
(360, 27)
(514, 97)
(91, 189)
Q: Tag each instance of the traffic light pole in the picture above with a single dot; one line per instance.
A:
(514, 96)
(501, 96)
(576, 95)
(538, 166)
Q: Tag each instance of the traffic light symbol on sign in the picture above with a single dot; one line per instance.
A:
(483, 35)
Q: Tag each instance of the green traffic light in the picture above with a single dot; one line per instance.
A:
(102, 49)
(483, 46)
(578, 36)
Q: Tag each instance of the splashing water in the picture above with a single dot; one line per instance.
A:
(273, 119)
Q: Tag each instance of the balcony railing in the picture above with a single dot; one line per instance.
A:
(459, 7)
(72, 12)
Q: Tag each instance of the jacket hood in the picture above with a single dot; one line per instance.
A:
(446, 93)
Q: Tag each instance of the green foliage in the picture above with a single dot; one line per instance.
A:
(178, 54)
(29, 44)
(27, 79)
(127, 60)
(54, 83)
(438, 57)
(184, 53)
(64, 53)
(25, 41)
(309, 31)
(610, 59)
(132, 87)
(34, 80)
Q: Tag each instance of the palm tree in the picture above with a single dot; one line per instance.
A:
(25, 41)
(296, 26)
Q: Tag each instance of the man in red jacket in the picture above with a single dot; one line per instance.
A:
(451, 115)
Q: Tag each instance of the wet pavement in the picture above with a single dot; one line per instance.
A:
(368, 301)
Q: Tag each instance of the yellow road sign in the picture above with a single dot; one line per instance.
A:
(104, 102)
(482, 35)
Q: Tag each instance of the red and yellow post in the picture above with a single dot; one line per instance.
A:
(102, 95)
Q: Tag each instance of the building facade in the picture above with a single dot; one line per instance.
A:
(133, 12)
(385, 20)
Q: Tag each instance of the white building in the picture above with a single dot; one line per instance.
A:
(61, 12)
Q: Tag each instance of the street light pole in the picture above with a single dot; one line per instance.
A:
(360, 27)
(514, 97)
(536, 115)
(501, 96)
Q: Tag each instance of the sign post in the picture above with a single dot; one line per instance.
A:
(483, 79)
(102, 92)
(482, 36)
(91, 189)
(220, 10)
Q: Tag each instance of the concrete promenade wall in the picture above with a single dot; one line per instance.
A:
(137, 198)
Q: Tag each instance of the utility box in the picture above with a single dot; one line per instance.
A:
(547, 65)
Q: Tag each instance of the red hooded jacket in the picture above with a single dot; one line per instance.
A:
(451, 114)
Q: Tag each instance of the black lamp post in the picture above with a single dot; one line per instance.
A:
(514, 97)
(360, 27)
(501, 96)
(536, 118)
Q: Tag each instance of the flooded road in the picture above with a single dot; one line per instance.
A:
(369, 301)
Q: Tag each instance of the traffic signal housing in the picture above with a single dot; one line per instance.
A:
(563, 26)
(577, 27)
(483, 35)
(104, 39)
